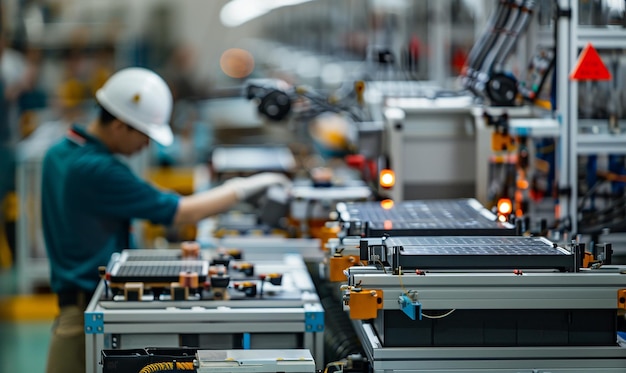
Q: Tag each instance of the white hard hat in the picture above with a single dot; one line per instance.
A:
(140, 98)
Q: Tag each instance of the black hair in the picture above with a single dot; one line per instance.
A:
(105, 116)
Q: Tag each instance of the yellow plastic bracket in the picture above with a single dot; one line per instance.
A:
(365, 303)
(621, 299)
(338, 264)
(502, 142)
(588, 259)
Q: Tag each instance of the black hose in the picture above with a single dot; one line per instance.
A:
(340, 339)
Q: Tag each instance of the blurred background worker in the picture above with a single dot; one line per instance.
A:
(89, 197)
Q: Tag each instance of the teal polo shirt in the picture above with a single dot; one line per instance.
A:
(88, 198)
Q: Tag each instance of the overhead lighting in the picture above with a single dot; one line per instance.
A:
(237, 63)
(237, 12)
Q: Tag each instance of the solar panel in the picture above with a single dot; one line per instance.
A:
(422, 218)
(486, 241)
(157, 271)
(467, 252)
(151, 255)
(152, 258)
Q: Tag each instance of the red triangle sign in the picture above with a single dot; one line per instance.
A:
(590, 66)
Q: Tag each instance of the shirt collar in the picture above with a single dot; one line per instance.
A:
(79, 136)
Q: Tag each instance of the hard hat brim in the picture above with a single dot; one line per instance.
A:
(161, 133)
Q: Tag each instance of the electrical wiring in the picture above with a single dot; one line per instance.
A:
(408, 293)
(590, 192)
(438, 316)
(382, 265)
(524, 17)
(614, 210)
(336, 364)
(320, 103)
(505, 26)
(158, 367)
(489, 34)
(401, 284)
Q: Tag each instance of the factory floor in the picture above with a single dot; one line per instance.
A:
(25, 323)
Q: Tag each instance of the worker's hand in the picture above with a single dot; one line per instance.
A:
(248, 186)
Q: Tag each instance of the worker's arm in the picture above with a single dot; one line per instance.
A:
(198, 206)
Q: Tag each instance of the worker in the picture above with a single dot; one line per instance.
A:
(89, 197)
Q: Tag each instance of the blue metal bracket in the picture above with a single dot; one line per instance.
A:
(314, 320)
(411, 308)
(246, 341)
(94, 323)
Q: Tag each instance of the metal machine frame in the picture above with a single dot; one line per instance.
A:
(452, 321)
(249, 323)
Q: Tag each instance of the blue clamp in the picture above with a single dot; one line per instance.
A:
(94, 323)
(314, 320)
(411, 308)
(246, 342)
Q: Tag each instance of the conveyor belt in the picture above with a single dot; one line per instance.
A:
(422, 218)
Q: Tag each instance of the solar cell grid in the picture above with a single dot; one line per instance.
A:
(153, 271)
(478, 252)
(160, 257)
(425, 217)
(435, 211)
(467, 240)
(161, 270)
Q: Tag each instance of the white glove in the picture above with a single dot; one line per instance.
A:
(245, 187)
